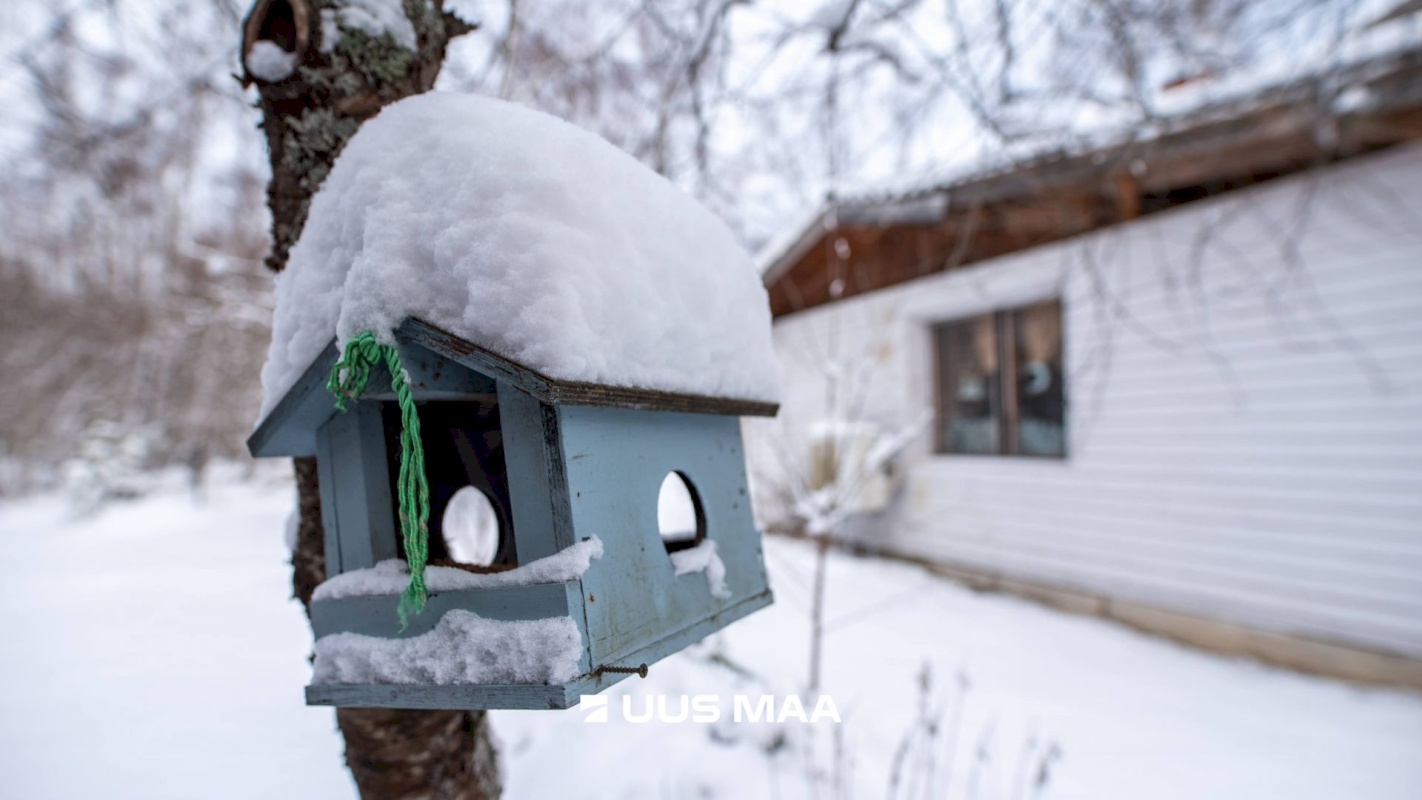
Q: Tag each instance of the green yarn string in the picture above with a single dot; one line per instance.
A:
(348, 380)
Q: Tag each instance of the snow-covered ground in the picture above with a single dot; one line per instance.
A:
(151, 651)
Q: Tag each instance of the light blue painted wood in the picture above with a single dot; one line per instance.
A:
(563, 392)
(376, 615)
(434, 340)
(537, 489)
(616, 460)
(359, 492)
(290, 428)
(431, 377)
(558, 696)
(465, 696)
(672, 643)
(326, 478)
(574, 471)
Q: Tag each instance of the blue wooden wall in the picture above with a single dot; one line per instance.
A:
(615, 460)
(574, 472)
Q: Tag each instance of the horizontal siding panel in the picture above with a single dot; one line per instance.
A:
(1292, 459)
(1371, 589)
(1244, 431)
(1125, 571)
(1223, 602)
(1230, 500)
(1354, 554)
(1314, 392)
(1342, 547)
(1378, 368)
(1126, 349)
(1302, 413)
(1242, 308)
(1275, 524)
(1161, 250)
(1364, 548)
(1271, 613)
(1316, 312)
(1277, 483)
(1162, 267)
(1394, 350)
(1394, 537)
(1155, 266)
(1301, 450)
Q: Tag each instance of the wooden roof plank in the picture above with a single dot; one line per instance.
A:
(290, 428)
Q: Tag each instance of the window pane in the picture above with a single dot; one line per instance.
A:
(1041, 395)
(968, 393)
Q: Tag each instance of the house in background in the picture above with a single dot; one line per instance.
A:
(1175, 381)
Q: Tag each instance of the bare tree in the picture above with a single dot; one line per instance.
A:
(128, 265)
(828, 461)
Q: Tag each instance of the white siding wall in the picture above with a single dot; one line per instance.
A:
(1245, 409)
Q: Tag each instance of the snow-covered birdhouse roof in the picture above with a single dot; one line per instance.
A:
(529, 250)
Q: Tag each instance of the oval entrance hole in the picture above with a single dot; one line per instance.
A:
(471, 527)
(680, 518)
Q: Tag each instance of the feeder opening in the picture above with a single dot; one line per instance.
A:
(470, 524)
(680, 516)
(471, 528)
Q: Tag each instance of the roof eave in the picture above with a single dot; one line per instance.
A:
(555, 391)
(289, 429)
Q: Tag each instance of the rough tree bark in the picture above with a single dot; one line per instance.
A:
(342, 77)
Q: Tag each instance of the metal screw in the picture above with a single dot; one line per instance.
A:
(640, 670)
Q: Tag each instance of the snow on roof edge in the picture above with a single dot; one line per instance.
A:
(773, 260)
(531, 238)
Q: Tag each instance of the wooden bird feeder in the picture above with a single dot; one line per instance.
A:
(560, 462)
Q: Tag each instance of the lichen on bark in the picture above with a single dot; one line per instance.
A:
(310, 115)
(378, 59)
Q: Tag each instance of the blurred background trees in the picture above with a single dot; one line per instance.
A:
(132, 295)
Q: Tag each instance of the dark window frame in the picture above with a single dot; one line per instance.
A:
(1004, 327)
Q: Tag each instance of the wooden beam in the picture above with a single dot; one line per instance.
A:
(556, 391)
(1128, 195)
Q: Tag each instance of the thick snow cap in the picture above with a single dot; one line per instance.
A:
(531, 238)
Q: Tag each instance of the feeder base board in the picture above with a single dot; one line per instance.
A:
(523, 696)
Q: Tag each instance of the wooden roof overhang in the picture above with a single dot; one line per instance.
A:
(290, 428)
(871, 242)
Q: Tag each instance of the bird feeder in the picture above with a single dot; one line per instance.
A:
(564, 465)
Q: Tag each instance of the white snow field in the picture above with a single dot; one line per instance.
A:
(152, 652)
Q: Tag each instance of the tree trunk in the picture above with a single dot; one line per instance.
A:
(817, 611)
(308, 117)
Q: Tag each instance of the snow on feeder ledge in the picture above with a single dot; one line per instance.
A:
(570, 330)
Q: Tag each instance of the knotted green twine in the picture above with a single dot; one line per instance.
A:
(348, 380)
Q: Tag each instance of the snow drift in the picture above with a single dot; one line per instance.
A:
(529, 237)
